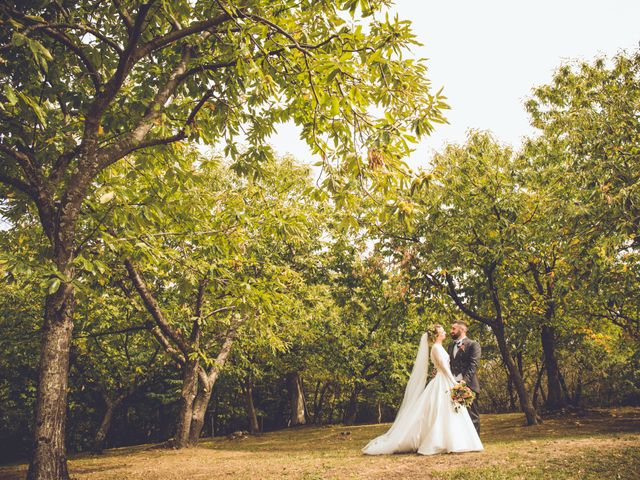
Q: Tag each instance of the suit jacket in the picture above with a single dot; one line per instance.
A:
(466, 362)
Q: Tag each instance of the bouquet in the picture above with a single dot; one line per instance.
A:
(462, 396)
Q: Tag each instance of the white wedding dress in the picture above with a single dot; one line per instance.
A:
(426, 422)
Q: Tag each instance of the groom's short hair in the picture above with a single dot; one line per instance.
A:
(462, 323)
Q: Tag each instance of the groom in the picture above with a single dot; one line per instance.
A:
(464, 354)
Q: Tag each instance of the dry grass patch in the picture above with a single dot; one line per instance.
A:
(565, 447)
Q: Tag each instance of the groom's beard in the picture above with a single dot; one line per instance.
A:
(455, 336)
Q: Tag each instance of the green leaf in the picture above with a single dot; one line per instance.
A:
(10, 94)
(37, 109)
(54, 285)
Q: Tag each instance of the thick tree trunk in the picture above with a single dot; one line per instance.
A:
(518, 382)
(250, 407)
(296, 399)
(187, 397)
(555, 399)
(49, 459)
(105, 425)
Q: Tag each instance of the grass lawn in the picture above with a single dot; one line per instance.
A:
(602, 444)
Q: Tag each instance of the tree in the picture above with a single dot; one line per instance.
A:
(590, 129)
(202, 255)
(85, 86)
(112, 352)
(460, 233)
(586, 160)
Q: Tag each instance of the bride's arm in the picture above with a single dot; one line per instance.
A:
(442, 360)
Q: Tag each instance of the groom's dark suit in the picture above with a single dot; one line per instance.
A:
(466, 363)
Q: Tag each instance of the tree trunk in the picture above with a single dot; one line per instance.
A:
(296, 399)
(565, 389)
(105, 425)
(512, 398)
(197, 418)
(204, 387)
(555, 399)
(351, 411)
(187, 397)
(317, 407)
(519, 360)
(316, 392)
(251, 411)
(334, 400)
(49, 459)
(538, 385)
(577, 397)
(523, 395)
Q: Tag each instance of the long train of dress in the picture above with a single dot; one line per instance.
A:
(430, 424)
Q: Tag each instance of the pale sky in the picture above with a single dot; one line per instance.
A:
(489, 54)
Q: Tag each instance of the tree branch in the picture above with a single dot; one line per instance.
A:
(154, 308)
(134, 139)
(494, 292)
(173, 353)
(195, 332)
(83, 28)
(458, 301)
(115, 332)
(19, 185)
(51, 31)
(206, 67)
(94, 75)
(124, 14)
(175, 35)
(225, 350)
(128, 59)
(62, 163)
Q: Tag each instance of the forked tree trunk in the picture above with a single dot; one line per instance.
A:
(49, 458)
(205, 384)
(187, 398)
(525, 401)
(296, 399)
(197, 384)
(545, 288)
(197, 418)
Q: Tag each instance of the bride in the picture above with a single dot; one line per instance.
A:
(426, 422)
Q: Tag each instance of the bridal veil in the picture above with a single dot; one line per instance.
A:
(404, 434)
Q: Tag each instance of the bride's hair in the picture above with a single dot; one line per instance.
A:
(433, 331)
